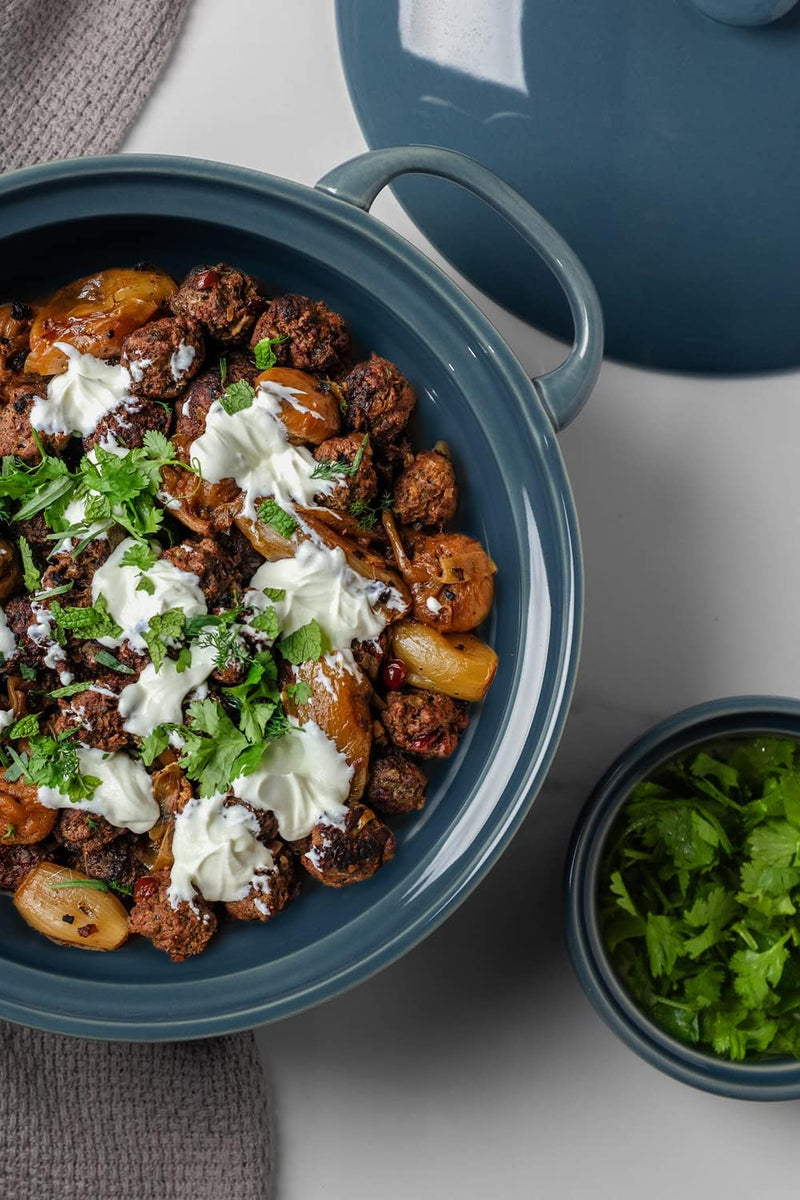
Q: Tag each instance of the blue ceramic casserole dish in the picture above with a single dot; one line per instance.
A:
(62, 220)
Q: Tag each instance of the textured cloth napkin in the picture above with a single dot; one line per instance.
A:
(74, 73)
(84, 1120)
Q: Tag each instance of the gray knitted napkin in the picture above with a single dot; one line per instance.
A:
(86, 1120)
(74, 73)
(83, 1120)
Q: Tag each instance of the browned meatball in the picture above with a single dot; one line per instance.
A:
(349, 853)
(64, 569)
(453, 581)
(10, 571)
(396, 784)
(16, 861)
(16, 433)
(379, 399)
(279, 887)
(128, 424)
(316, 339)
(424, 723)
(425, 494)
(30, 650)
(163, 357)
(36, 531)
(180, 932)
(76, 828)
(96, 713)
(223, 300)
(113, 861)
(361, 487)
(205, 558)
(85, 652)
(193, 409)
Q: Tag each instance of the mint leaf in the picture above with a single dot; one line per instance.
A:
(237, 396)
(274, 594)
(266, 623)
(90, 622)
(306, 644)
(281, 521)
(24, 727)
(163, 629)
(264, 354)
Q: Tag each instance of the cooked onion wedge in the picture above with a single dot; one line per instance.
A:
(458, 665)
(23, 820)
(71, 908)
(340, 706)
(314, 415)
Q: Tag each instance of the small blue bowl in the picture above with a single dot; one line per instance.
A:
(736, 716)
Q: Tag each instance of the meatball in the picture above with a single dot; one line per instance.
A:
(316, 339)
(379, 399)
(84, 652)
(64, 569)
(206, 559)
(33, 634)
(180, 932)
(425, 494)
(114, 863)
(127, 425)
(206, 388)
(396, 784)
(10, 571)
(223, 300)
(163, 357)
(17, 435)
(347, 490)
(17, 861)
(96, 714)
(351, 852)
(424, 723)
(278, 888)
(36, 531)
(79, 829)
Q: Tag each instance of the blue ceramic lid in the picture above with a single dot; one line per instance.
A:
(660, 142)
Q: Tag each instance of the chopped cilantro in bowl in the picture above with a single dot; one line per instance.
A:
(683, 897)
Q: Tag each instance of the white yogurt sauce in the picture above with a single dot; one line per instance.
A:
(250, 447)
(8, 643)
(137, 367)
(181, 361)
(433, 605)
(217, 853)
(156, 698)
(302, 779)
(320, 585)
(132, 609)
(75, 514)
(6, 718)
(124, 795)
(82, 395)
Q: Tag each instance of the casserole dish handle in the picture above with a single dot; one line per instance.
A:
(565, 390)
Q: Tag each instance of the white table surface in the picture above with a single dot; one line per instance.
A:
(475, 1067)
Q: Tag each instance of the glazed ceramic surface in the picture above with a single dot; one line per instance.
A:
(661, 143)
(771, 1079)
(65, 219)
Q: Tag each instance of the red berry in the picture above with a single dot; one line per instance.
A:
(206, 280)
(144, 888)
(394, 674)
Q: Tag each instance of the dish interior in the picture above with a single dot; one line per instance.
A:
(506, 466)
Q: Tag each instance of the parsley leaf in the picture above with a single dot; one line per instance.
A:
(306, 644)
(264, 353)
(299, 691)
(213, 747)
(53, 762)
(281, 521)
(155, 744)
(237, 396)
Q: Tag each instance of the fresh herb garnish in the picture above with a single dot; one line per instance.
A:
(162, 630)
(300, 691)
(264, 354)
(257, 697)
(52, 762)
(24, 727)
(367, 515)
(266, 623)
(223, 370)
(143, 557)
(27, 673)
(215, 752)
(329, 468)
(90, 622)
(274, 594)
(701, 894)
(95, 885)
(70, 689)
(47, 487)
(56, 591)
(108, 660)
(306, 644)
(155, 743)
(281, 521)
(237, 396)
(10, 831)
(31, 575)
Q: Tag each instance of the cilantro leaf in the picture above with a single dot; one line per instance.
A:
(140, 555)
(300, 691)
(237, 396)
(281, 521)
(53, 762)
(264, 354)
(212, 748)
(306, 644)
(155, 744)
